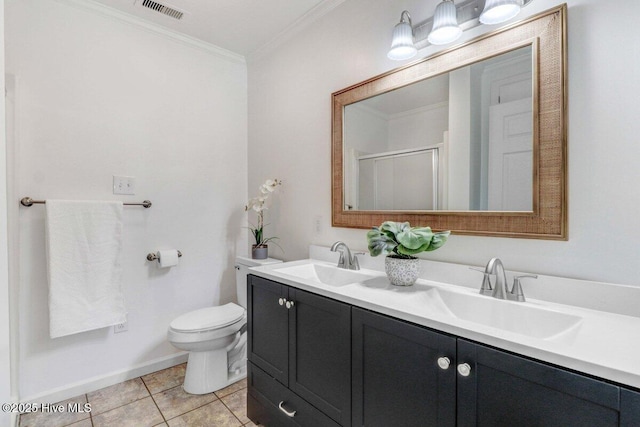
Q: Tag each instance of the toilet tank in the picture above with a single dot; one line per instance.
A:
(242, 270)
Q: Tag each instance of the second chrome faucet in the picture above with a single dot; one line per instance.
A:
(501, 289)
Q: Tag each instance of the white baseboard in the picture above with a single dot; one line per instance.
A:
(96, 383)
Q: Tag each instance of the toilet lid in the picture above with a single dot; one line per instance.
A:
(208, 318)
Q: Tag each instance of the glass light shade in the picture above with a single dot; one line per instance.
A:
(402, 45)
(445, 24)
(499, 11)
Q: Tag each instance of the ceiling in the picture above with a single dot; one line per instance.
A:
(427, 92)
(240, 26)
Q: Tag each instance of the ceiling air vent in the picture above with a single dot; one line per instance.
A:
(165, 10)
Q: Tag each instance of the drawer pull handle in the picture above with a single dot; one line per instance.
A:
(464, 369)
(281, 301)
(289, 304)
(444, 362)
(288, 414)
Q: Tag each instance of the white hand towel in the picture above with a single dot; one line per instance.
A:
(84, 251)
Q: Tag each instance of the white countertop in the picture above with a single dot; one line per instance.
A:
(603, 344)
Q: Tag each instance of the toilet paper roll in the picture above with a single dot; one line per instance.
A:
(168, 258)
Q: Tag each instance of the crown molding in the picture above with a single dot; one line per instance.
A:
(419, 110)
(403, 114)
(317, 12)
(98, 8)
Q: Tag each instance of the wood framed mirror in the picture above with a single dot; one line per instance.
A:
(471, 139)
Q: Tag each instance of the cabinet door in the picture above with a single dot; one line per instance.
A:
(320, 353)
(268, 326)
(396, 377)
(629, 408)
(508, 390)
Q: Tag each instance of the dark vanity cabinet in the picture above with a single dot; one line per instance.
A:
(314, 361)
(299, 353)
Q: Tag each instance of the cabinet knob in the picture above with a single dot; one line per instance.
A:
(281, 301)
(289, 304)
(464, 369)
(287, 413)
(444, 362)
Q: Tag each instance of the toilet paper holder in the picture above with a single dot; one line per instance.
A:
(154, 257)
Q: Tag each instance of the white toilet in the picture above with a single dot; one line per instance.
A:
(216, 338)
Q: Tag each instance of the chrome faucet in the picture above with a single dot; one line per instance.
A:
(501, 289)
(494, 266)
(347, 260)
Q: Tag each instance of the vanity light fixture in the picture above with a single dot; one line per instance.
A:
(445, 24)
(402, 44)
(499, 11)
(448, 23)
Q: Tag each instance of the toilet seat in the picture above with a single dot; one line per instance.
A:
(205, 335)
(208, 319)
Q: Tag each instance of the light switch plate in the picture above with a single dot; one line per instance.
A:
(124, 185)
(317, 225)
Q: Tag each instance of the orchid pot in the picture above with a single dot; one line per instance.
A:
(259, 251)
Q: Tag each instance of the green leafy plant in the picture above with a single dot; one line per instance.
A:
(257, 204)
(400, 240)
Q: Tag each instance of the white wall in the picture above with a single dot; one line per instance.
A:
(418, 128)
(459, 145)
(290, 135)
(98, 96)
(367, 132)
(5, 354)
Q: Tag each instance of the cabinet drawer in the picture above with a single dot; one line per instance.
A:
(263, 413)
(276, 399)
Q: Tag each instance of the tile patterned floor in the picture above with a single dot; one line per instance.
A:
(156, 399)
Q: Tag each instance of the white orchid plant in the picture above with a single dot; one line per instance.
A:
(257, 204)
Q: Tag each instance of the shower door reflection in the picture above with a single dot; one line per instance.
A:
(400, 180)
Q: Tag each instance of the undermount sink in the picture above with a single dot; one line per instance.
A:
(325, 274)
(520, 318)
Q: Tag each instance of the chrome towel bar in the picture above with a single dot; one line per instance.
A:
(28, 201)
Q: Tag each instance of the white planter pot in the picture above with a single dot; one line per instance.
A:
(402, 271)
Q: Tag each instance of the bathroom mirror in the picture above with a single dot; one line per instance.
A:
(472, 139)
(452, 134)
